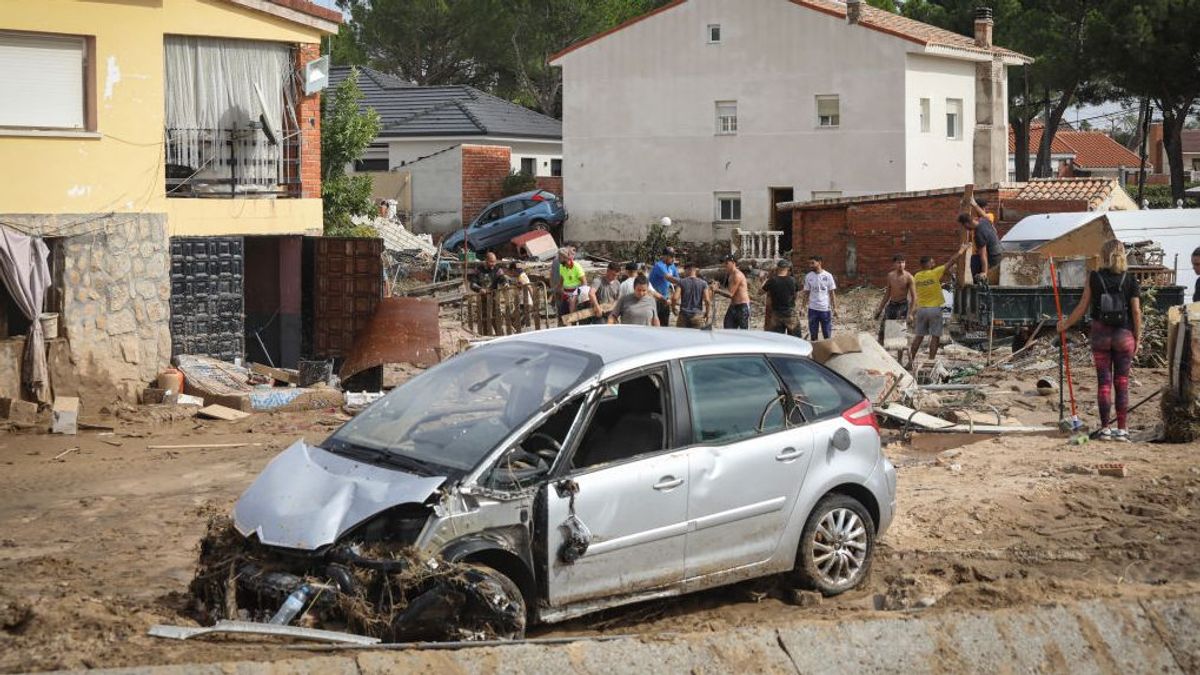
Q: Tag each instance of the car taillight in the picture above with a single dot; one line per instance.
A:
(862, 415)
(538, 198)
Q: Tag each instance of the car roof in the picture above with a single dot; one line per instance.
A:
(619, 347)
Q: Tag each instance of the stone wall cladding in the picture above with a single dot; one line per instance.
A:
(484, 168)
(309, 114)
(116, 292)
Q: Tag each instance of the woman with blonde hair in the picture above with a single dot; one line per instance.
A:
(1112, 295)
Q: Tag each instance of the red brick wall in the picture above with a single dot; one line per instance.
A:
(552, 183)
(858, 240)
(308, 111)
(484, 168)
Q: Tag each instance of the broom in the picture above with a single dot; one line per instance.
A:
(1072, 424)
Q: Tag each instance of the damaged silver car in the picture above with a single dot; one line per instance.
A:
(546, 475)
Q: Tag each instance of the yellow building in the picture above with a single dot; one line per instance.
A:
(165, 151)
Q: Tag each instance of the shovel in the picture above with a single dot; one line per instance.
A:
(1073, 424)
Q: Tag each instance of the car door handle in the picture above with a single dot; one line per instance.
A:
(668, 483)
(789, 454)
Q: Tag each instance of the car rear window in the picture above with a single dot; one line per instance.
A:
(821, 394)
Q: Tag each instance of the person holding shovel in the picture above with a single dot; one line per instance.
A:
(1114, 298)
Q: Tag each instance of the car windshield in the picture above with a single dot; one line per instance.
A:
(451, 416)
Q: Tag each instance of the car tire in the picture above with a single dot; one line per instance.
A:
(498, 589)
(539, 226)
(836, 546)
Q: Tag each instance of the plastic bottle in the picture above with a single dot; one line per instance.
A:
(292, 606)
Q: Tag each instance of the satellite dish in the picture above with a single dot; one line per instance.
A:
(267, 129)
(316, 75)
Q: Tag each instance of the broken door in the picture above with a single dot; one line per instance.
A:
(347, 285)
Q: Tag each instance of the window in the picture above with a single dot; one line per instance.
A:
(924, 115)
(1196, 164)
(629, 421)
(514, 207)
(727, 122)
(729, 206)
(714, 33)
(828, 111)
(380, 164)
(817, 394)
(529, 166)
(556, 167)
(732, 398)
(534, 456)
(45, 81)
(954, 118)
(826, 194)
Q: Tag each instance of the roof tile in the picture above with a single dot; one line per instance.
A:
(1088, 149)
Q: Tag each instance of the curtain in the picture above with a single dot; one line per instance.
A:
(25, 270)
(213, 86)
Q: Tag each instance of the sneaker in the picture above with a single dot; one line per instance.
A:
(1121, 435)
(1105, 434)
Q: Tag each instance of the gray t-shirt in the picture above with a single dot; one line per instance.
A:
(635, 311)
(691, 295)
(606, 291)
(985, 238)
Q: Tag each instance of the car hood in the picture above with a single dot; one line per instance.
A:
(307, 497)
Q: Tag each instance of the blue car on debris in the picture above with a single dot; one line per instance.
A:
(510, 217)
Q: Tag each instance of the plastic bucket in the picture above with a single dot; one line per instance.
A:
(49, 325)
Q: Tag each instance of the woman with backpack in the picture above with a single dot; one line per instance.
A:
(1113, 297)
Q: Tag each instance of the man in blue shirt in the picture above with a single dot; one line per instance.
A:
(662, 276)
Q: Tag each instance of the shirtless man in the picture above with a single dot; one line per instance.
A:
(900, 301)
(738, 314)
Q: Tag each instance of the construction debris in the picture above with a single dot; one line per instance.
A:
(402, 330)
(255, 628)
(220, 412)
(16, 410)
(65, 415)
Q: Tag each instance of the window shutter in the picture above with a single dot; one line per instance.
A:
(43, 81)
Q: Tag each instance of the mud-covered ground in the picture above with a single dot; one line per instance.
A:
(99, 544)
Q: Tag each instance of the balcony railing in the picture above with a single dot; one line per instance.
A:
(232, 163)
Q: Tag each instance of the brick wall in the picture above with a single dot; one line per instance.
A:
(308, 111)
(552, 183)
(858, 240)
(484, 168)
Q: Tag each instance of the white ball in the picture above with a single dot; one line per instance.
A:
(665, 222)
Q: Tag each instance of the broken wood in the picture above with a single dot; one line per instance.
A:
(64, 453)
(204, 446)
(277, 374)
(430, 289)
(582, 314)
(220, 412)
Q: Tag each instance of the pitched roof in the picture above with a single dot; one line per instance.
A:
(310, 8)
(1089, 149)
(1094, 191)
(876, 19)
(1191, 140)
(409, 110)
(299, 11)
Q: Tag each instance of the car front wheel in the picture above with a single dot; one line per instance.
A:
(836, 546)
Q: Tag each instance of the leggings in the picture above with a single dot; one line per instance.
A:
(1112, 349)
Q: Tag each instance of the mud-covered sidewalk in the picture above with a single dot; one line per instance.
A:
(100, 544)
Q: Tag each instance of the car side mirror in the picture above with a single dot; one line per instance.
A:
(840, 439)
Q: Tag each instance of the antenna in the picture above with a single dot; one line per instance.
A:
(316, 75)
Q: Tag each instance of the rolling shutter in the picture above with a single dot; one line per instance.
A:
(43, 83)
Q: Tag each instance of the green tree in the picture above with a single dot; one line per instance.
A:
(345, 132)
(1152, 49)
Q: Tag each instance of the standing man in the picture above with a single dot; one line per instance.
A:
(781, 290)
(631, 272)
(692, 299)
(662, 276)
(1196, 269)
(820, 298)
(606, 289)
(738, 314)
(488, 276)
(899, 295)
(637, 309)
(928, 283)
(987, 246)
(570, 277)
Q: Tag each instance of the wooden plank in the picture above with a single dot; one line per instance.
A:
(582, 314)
(277, 374)
(220, 412)
(201, 446)
(918, 419)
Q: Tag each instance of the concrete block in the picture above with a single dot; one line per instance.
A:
(16, 410)
(65, 415)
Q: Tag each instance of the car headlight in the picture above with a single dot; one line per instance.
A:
(398, 525)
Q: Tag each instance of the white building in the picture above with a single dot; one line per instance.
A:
(712, 111)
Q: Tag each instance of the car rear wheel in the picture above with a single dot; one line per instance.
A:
(836, 547)
(539, 225)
